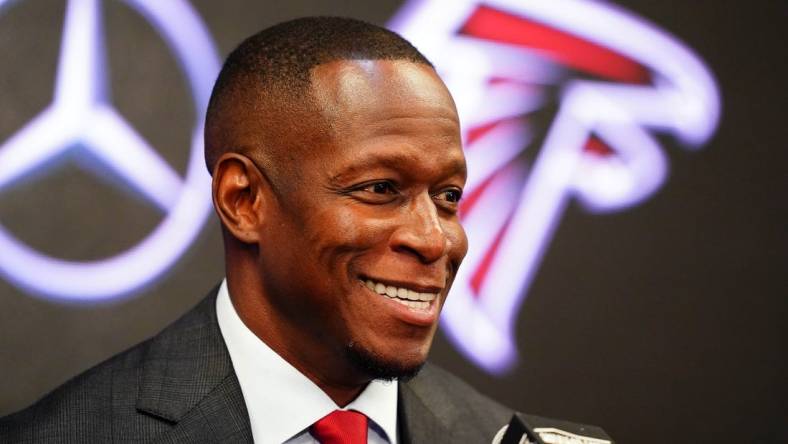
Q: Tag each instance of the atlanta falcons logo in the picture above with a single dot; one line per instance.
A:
(601, 81)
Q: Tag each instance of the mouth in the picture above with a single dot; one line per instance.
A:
(411, 296)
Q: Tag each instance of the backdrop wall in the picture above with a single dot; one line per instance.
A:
(661, 321)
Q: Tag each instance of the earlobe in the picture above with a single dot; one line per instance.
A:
(238, 196)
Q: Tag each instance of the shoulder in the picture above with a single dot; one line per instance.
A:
(87, 405)
(463, 414)
(103, 403)
(439, 407)
(437, 386)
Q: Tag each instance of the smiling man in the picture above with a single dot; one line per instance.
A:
(351, 261)
(337, 165)
(337, 170)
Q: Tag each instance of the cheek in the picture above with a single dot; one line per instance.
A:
(336, 233)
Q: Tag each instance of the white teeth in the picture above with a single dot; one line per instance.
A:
(416, 305)
(405, 296)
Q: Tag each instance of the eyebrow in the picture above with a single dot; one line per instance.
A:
(394, 161)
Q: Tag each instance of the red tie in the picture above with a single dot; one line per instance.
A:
(341, 427)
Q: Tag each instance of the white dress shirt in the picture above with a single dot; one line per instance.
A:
(281, 401)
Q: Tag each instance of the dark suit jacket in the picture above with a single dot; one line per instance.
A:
(179, 386)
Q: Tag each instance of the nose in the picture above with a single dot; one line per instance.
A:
(421, 232)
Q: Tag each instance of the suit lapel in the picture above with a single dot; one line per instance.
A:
(417, 422)
(188, 380)
(220, 416)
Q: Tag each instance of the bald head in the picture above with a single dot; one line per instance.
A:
(263, 105)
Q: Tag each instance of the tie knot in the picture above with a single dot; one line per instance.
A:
(341, 427)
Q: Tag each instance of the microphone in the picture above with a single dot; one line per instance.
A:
(531, 429)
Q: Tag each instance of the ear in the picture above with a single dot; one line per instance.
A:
(238, 196)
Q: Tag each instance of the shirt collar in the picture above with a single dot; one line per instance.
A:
(281, 401)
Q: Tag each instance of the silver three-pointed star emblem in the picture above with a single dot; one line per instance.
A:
(81, 113)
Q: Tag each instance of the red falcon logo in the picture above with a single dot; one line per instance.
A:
(559, 100)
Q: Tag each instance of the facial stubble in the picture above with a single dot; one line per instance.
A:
(377, 367)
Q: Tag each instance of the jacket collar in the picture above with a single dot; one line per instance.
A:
(417, 421)
(188, 379)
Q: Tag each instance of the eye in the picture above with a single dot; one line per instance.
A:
(379, 192)
(380, 188)
(450, 196)
(453, 195)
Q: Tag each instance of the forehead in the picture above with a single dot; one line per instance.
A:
(394, 110)
(356, 86)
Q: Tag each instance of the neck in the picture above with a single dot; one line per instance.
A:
(327, 367)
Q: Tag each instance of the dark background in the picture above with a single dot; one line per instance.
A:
(664, 322)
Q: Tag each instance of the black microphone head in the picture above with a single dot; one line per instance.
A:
(531, 429)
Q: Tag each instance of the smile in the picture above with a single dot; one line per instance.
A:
(405, 296)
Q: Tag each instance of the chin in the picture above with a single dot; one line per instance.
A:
(377, 366)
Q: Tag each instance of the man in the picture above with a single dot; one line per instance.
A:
(337, 170)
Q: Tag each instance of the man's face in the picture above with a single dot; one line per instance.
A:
(373, 211)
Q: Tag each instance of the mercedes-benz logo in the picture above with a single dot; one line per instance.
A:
(82, 114)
